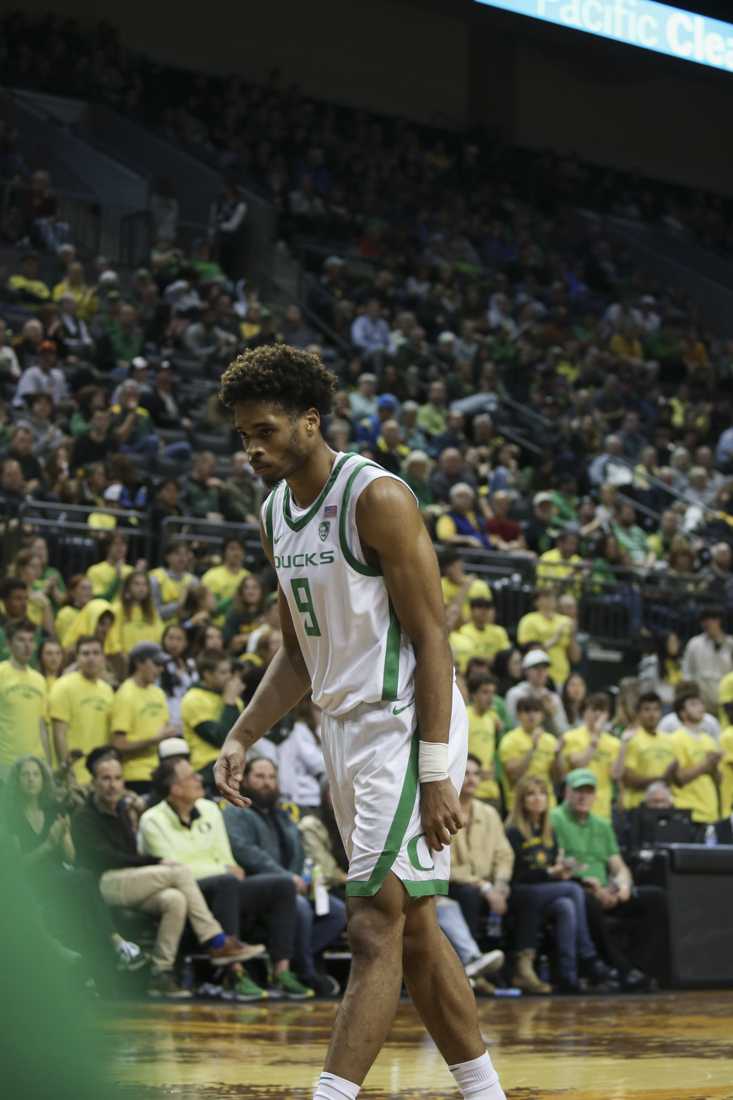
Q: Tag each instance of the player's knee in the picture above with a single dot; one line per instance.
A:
(370, 934)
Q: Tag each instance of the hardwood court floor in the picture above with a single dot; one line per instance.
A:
(672, 1046)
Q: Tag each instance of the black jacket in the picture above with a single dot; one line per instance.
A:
(106, 842)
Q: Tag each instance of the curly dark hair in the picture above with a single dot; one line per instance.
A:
(295, 379)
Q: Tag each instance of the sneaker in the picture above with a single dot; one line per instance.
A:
(244, 989)
(485, 964)
(636, 982)
(130, 956)
(596, 971)
(287, 985)
(323, 985)
(233, 950)
(164, 984)
(482, 988)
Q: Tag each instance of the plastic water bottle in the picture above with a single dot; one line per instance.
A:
(308, 871)
(711, 837)
(321, 900)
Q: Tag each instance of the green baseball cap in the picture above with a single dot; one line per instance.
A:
(581, 777)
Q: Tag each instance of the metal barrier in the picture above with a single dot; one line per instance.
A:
(209, 535)
(74, 542)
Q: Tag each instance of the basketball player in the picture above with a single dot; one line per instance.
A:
(362, 622)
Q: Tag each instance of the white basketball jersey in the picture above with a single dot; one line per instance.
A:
(349, 634)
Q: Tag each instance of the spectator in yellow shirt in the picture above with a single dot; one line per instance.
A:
(139, 720)
(485, 639)
(136, 617)
(459, 587)
(209, 709)
(555, 634)
(224, 580)
(23, 701)
(529, 750)
(726, 772)
(561, 567)
(80, 705)
(591, 747)
(107, 576)
(483, 727)
(698, 757)
(646, 755)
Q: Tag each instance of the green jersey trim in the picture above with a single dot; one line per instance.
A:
(268, 513)
(359, 566)
(392, 658)
(299, 524)
(426, 889)
(396, 834)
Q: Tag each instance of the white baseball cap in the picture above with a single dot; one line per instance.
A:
(534, 658)
(173, 746)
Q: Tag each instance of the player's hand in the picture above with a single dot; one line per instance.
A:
(229, 772)
(440, 812)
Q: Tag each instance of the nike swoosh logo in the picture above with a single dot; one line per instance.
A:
(398, 710)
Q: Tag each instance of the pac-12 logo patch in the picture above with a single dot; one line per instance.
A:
(323, 530)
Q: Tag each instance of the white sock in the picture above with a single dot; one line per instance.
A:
(478, 1079)
(331, 1087)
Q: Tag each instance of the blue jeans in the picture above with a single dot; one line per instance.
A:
(564, 902)
(313, 934)
(453, 923)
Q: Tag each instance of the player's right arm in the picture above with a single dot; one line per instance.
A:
(282, 687)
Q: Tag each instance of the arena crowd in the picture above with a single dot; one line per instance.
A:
(564, 423)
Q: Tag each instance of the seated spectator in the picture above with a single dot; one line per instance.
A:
(363, 400)
(186, 827)
(295, 331)
(589, 746)
(104, 837)
(460, 525)
(369, 331)
(322, 842)
(391, 450)
(482, 862)
(646, 755)
(26, 285)
(140, 718)
(171, 583)
(209, 709)
(94, 445)
(459, 588)
(536, 670)
(416, 474)
(74, 286)
(13, 489)
(561, 567)
(631, 537)
(224, 580)
(37, 821)
(132, 428)
(122, 339)
(165, 409)
(433, 414)
(46, 435)
(136, 617)
(543, 527)
(208, 342)
(480, 637)
(450, 471)
(529, 750)
(505, 533)
(541, 889)
(610, 889)
(73, 335)
(21, 451)
(203, 492)
(484, 725)
(301, 766)
(9, 365)
(708, 657)
(80, 707)
(245, 615)
(45, 376)
(553, 633)
(242, 491)
(265, 840)
(23, 700)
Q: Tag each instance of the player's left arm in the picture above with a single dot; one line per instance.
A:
(391, 529)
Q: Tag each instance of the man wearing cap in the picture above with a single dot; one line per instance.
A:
(43, 377)
(529, 750)
(387, 409)
(540, 531)
(591, 842)
(536, 669)
(140, 720)
(553, 632)
(481, 637)
(708, 657)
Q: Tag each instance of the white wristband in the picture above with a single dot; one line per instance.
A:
(433, 761)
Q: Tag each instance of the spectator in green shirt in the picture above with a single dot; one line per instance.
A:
(610, 891)
(631, 537)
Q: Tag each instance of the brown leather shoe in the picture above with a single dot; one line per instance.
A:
(233, 951)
